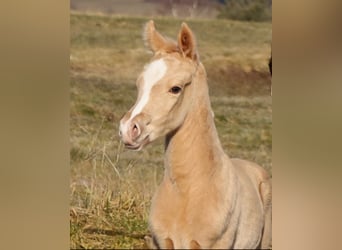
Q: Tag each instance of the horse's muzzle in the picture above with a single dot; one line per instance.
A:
(131, 133)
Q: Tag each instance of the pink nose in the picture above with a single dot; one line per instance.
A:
(129, 132)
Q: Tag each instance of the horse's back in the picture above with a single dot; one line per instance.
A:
(251, 169)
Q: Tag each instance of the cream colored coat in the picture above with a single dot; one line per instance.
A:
(206, 200)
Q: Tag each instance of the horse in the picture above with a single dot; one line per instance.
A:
(206, 199)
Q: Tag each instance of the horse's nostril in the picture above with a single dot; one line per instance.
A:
(135, 131)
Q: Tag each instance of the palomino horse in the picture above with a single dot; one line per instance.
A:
(206, 200)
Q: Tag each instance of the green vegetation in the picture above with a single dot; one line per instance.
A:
(247, 10)
(110, 187)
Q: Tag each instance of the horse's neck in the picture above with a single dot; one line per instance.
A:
(194, 150)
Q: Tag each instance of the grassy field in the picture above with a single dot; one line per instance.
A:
(110, 187)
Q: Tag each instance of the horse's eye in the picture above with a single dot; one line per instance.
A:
(175, 90)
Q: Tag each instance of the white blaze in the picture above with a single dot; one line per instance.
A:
(154, 72)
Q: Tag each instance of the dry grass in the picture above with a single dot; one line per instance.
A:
(110, 187)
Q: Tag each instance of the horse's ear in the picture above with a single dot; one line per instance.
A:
(187, 42)
(155, 41)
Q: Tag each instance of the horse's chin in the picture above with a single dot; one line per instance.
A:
(134, 147)
(137, 146)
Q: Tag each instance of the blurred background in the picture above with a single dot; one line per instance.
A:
(110, 187)
(249, 10)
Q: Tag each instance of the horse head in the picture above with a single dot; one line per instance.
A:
(164, 88)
